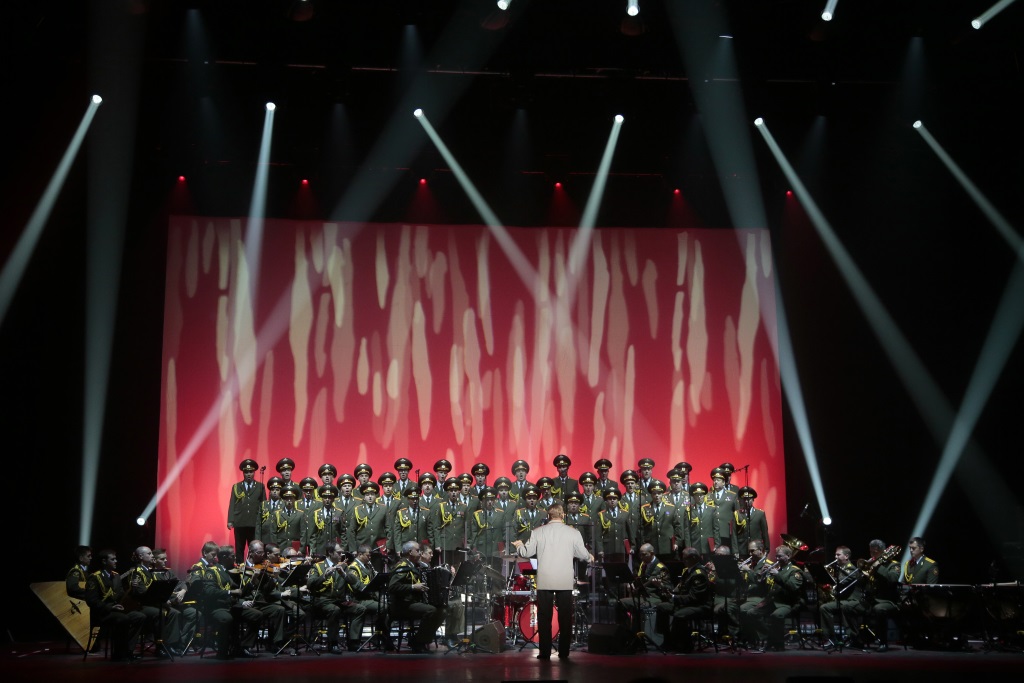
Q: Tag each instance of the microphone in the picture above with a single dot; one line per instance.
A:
(263, 469)
(803, 513)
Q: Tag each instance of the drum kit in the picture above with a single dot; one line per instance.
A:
(516, 608)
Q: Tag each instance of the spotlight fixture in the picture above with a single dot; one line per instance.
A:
(827, 521)
(418, 113)
(918, 124)
(271, 106)
(827, 16)
(503, 4)
(758, 121)
(633, 7)
(96, 99)
(619, 118)
(141, 521)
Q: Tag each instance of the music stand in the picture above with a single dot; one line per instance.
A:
(823, 578)
(464, 576)
(622, 574)
(157, 595)
(378, 584)
(727, 570)
(297, 578)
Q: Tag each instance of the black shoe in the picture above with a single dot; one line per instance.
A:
(246, 653)
(335, 649)
(884, 647)
(545, 658)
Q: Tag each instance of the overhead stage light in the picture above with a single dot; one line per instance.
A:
(830, 10)
(633, 7)
(618, 118)
(141, 521)
(503, 4)
(995, 9)
(758, 121)
(271, 106)
(917, 124)
(96, 99)
(827, 521)
(417, 113)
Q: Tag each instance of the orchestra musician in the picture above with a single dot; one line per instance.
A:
(328, 584)
(850, 596)
(78, 575)
(455, 615)
(258, 583)
(407, 598)
(691, 599)
(919, 569)
(359, 574)
(729, 594)
(652, 585)
(765, 621)
(163, 622)
(881, 593)
(103, 594)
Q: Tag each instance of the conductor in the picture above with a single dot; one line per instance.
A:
(555, 546)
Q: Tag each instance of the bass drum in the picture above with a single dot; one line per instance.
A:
(529, 626)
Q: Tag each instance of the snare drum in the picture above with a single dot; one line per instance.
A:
(529, 626)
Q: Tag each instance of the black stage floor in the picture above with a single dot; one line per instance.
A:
(56, 661)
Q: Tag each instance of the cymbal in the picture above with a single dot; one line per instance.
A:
(492, 573)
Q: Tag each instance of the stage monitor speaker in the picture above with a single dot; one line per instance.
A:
(490, 637)
(610, 639)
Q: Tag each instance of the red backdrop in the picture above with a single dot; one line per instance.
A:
(349, 343)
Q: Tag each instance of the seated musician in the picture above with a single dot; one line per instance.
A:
(849, 589)
(882, 590)
(103, 594)
(919, 569)
(359, 575)
(691, 599)
(407, 598)
(651, 586)
(222, 596)
(455, 620)
(729, 594)
(189, 615)
(332, 599)
(259, 584)
(78, 575)
(766, 620)
(163, 622)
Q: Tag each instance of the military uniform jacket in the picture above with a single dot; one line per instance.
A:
(615, 529)
(408, 524)
(787, 587)
(726, 506)
(446, 525)
(926, 571)
(324, 526)
(883, 585)
(585, 525)
(75, 581)
(560, 488)
(507, 505)
(693, 589)
(267, 508)
(678, 498)
(103, 590)
(401, 593)
(516, 490)
(747, 528)
(592, 504)
(366, 525)
(285, 526)
(525, 521)
(653, 576)
(701, 524)
(756, 584)
(606, 485)
(487, 531)
(658, 527)
(327, 585)
(244, 505)
(359, 577)
(216, 582)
